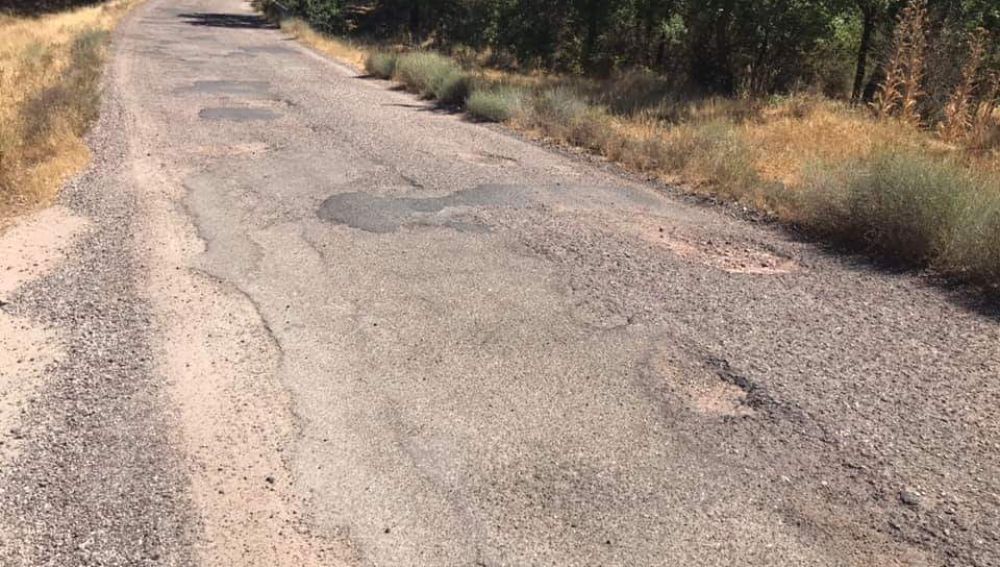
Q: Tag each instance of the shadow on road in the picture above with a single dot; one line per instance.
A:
(216, 20)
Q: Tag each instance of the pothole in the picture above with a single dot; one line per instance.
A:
(724, 253)
(487, 158)
(711, 389)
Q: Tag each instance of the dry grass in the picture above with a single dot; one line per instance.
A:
(900, 93)
(794, 133)
(344, 51)
(50, 69)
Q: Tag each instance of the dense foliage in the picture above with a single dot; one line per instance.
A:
(727, 46)
(30, 7)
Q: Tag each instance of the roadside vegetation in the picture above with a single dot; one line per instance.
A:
(875, 124)
(50, 74)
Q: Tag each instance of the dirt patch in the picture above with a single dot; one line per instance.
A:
(702, 389)
(726, 254)
(249, 89)
(28, 250)
(34, 245)
(26, 349)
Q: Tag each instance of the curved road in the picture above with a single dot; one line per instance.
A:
(293, 316)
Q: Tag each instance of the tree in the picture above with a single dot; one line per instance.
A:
(871, 12)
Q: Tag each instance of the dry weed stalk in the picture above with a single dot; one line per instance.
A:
(984, 130)
(901, 91)
(957, 121)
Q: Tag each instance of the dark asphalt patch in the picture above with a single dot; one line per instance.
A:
(223, 20)
(376, 214)
(237, 114)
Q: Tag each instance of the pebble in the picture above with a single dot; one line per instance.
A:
(909, 498)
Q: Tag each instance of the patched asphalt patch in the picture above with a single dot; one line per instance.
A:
(372, 213)
(233, 114)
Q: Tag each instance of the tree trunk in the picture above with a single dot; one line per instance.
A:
(867, 31)
(415, 23)
(593, 29)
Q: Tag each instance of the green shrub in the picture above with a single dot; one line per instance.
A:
(433, 76)
(560, 105)
(452, 87)
(973, 249)
(381, 64)
(496, 104)
(910, 207)
(905, 205)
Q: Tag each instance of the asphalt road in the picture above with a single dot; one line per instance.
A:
(303, 318)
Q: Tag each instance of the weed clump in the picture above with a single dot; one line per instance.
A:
(433, 76)
(497, 104)
(559, 106)
(912, 208)
(453, 86)
(381, 64)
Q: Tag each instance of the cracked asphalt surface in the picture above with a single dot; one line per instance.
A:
(314, 321)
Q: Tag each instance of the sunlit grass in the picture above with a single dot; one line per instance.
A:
(345, 51)
(50, 70)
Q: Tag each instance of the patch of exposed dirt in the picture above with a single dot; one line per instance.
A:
(726, 254)
(32, 247)
(26, 349)
(703, 390)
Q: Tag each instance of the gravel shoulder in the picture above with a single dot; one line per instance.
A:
(95, 479)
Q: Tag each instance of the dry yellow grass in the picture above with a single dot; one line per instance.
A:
(47, 98)
(343, 51)
(792, 135)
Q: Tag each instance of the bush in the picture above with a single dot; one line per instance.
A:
(974, 247)
(497, 104)
(560, 105)
(433, 76)
(452, 87)
(327, 16)
(910, 207)
(381, 64)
